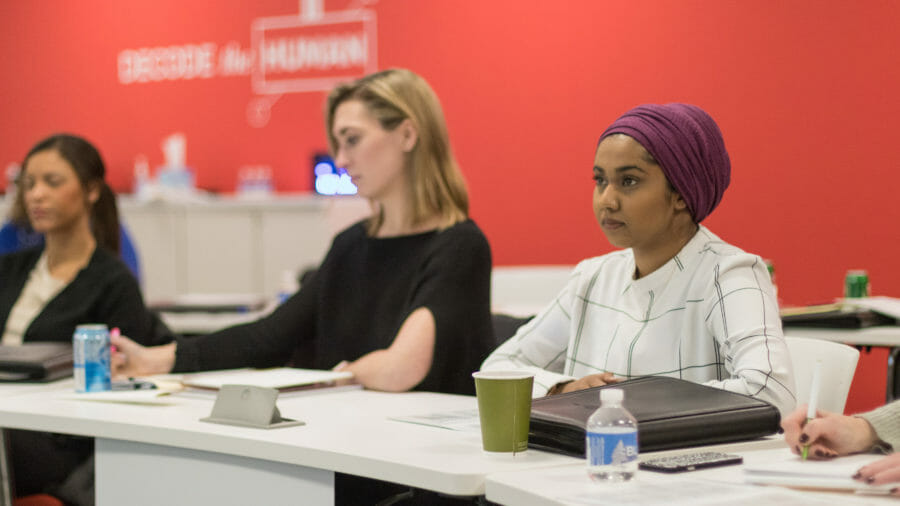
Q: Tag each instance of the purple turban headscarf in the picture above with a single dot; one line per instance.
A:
(688, 145)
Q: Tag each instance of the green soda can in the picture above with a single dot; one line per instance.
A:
(856, 284)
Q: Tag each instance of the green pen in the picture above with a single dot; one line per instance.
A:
(813, 400)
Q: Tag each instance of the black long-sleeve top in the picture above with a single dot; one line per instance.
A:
(357, 300)
(104, 291)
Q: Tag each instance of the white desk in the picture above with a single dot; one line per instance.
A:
(205, 323)
(185, 247)
(570, 485)
(165, 455)
(203, 313)
(886, 336)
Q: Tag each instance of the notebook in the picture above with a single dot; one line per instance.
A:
(671, 413)
(35, 362)
(281, 378)
(786, 469)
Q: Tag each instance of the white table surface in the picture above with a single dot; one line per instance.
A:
(346, 431)
(885, 335)
(193, 323)
(205, 322)
(13, 389)
(570, 485)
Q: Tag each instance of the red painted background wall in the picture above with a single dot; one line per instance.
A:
(806, 94)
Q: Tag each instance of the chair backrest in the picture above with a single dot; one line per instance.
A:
(893, 374)
(838, 367)
(13, 238)
(505, 326)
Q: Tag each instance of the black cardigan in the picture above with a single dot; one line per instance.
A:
(104, 291)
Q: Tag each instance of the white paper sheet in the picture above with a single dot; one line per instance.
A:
(465, 420)
(888, 306)
(792, 471)
(694, 492)
(156, 396)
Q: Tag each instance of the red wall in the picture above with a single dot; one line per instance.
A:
(806, 95)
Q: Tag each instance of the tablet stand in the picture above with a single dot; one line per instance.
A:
(248, 406)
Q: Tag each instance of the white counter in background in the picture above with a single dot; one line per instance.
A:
(224, 244)
(229, 245)
(523, 290)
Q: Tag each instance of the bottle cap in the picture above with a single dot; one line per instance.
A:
(289, 283)
(611, 395)
(174, 147)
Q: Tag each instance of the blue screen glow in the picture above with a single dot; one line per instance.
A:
(331, 180)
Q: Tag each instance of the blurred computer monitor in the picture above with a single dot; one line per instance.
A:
(329, 179)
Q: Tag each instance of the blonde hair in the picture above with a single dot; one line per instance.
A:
(392, 96)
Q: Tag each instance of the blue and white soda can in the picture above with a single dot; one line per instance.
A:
(90, 346)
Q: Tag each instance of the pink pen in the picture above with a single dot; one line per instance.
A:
(114, 332)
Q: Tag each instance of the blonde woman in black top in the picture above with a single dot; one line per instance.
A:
(402, 299)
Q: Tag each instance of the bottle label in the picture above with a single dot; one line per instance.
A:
(605, 448)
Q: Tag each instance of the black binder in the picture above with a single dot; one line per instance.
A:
(671, 413)
(35, 362)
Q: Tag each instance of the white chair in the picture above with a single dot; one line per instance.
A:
(838, 366)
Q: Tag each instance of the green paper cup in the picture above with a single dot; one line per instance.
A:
(504, 407)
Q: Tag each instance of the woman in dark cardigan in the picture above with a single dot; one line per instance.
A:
(74, 277)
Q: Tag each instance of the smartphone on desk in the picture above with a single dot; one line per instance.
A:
(690, 462)
(132, 384)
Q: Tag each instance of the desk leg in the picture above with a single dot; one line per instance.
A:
(141, 474)
(893, 389)
(5, 474)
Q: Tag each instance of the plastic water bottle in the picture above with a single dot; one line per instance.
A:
(12, 173)
(612, 440)
(141, 177)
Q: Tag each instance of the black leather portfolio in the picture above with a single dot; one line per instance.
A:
(35, 362)
(671, 413)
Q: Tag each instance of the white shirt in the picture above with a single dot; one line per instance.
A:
(708, 315)
(39, 290)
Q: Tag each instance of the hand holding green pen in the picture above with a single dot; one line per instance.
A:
(813, 400)
(829, 435)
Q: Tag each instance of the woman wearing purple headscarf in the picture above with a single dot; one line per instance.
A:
(678, 300)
